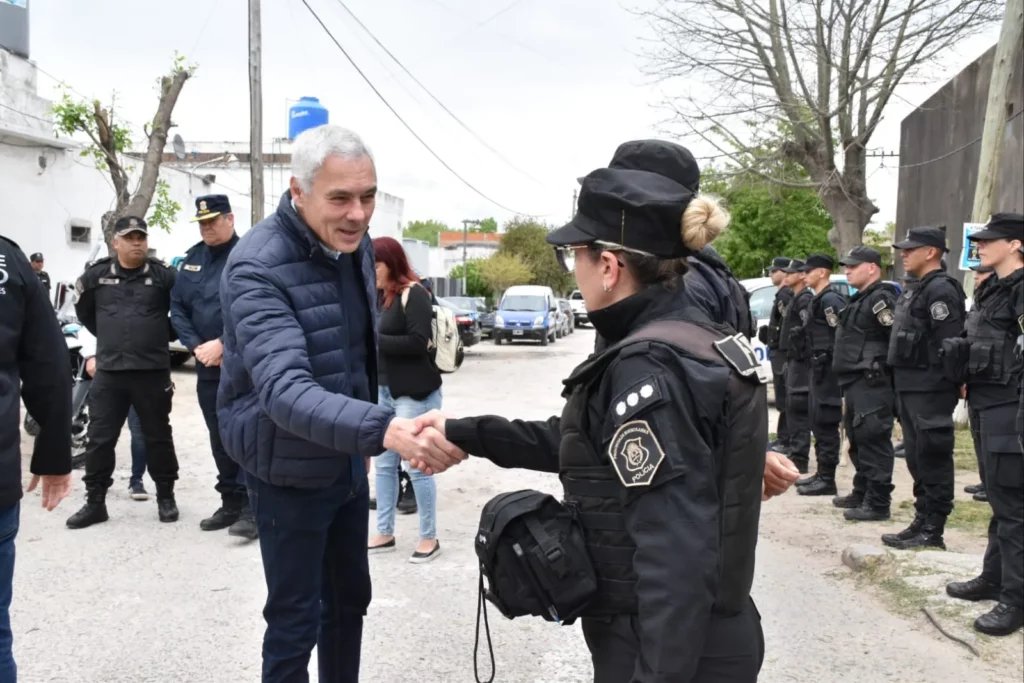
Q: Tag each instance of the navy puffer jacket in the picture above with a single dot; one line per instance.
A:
(285, 405)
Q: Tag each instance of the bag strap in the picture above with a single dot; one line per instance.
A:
(481, 608)
(551, 548)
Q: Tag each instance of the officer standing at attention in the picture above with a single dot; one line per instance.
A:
(670, 521)
(859, 361)
(930, 309)
(44, 277)
(124, 302)
(826, 407)
(993, 376)
(771, 337)
(196, 317)
(981, 274)
(793, 344)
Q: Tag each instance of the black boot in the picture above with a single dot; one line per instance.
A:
(973, 590)
(166, 508)
(981, 496)
(911, 531)
(974, 488)
(245, 527)
(1001, 621)
(824, 486)
(93, 512)
(807, 481)
(899, 450)
(930, 536)
(867, 513)
(406, 496)
(226, 515)
(848, 502)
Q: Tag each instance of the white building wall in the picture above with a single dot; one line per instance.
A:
(452, 256)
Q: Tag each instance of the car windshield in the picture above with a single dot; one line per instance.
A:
(761, 301)
(463, 302)
(576, 296)
(522, 302)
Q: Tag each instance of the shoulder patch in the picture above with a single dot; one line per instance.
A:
(804, 315)
(739, 354)
(781, 307)
(885, 317)
(939, 310)
(641, 395)
(878, 307)
(830, 317)
(635, 454)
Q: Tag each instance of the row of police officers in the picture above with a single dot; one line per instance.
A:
(910, 356)
(135, 305)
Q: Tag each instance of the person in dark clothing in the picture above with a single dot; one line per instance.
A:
(33, 365)
(637, 446)
(981, 274)
(859, 362)
(928, 311)
(993, 376)
(793, 344)
(410, 384)
(44, 277)
(771, 337)
(124, 302)
(826, 399)
(196, 317)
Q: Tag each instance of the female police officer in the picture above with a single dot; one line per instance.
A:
(670, 521)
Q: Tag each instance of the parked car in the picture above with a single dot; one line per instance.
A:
(579, 308)
(469, 328)
(527, 312)
(486, 321)
(567, 319)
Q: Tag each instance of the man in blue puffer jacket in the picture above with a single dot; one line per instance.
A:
(297, 403)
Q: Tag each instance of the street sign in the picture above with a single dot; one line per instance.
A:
(969, 249)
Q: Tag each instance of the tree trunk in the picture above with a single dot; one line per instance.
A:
(851, 211)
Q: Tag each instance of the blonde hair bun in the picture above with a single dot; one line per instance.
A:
(703, 220)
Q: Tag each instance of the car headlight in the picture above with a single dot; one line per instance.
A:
(539, 321)
(499, 321)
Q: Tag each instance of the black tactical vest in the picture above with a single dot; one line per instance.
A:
(775, 318)
(992, 328)
(910, 345)
(863, 333)
(794, 343)
(821, 327)
(594, 493)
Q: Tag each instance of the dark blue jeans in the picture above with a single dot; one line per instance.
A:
(313, 543)
(9, 517)
(138, 446)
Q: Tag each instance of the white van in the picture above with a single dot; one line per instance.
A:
(527, 312)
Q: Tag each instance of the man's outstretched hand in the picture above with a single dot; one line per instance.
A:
(779, 474)
(424, 446)
(56, 487)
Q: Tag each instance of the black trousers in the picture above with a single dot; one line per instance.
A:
(733, 648)
(869, 421)
(779, 382)
(927, 419)
(826, 412)
(230, 484)
(798, 417)
(1004, 483)
(111, 396)
(974, 419)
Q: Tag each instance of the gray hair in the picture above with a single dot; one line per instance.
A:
(312, 147)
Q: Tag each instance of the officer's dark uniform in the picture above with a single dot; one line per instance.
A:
(671, 523)
(930, 309)
(771, 337)
(993, 377)
(859, 361)
(196, 317)
(127, 311)
(978, 490)
(826, 408)
(44, 277)
(793, 344)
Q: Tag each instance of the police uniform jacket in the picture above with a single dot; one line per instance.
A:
(127, 311)
(195, 299)
(794, 342)
(993, 325)
(862, 335)
(783, 296)
(928, 311)
(44, 277)
(820, 329)
(643, 452)
(34, 366)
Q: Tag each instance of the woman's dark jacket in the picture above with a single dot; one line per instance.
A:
(405, 365)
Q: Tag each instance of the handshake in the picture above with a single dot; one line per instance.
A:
(422, 442)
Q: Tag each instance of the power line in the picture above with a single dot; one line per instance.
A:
(427, 90)
(399, 117)
(948, 154)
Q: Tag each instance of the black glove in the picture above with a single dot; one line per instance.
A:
(956, 354)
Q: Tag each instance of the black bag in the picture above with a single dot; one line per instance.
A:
(533, 561)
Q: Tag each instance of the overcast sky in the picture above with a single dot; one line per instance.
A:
(553, 85)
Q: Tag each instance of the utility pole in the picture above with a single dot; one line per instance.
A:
(995, 116)
(466, 222)
(255, 112)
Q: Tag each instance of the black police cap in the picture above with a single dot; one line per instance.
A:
(818, 261)
(38, 256)
(127, 224)
(211, 206)
(859, 255)
(779, 263)
(658, 156)
(638, 210)
(924, 237)
(795, 266)
(1002, 226)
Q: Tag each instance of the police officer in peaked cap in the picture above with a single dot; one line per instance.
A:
(793, 346)
(929, 310)
(995, 326)
(37, 265)
(859, 361)
(196, 316)
(124, 302)
(635, 449)
(771, 337)
(981, 274)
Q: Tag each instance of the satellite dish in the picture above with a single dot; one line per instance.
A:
(179, 148)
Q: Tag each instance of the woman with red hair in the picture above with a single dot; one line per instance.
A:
(409, 383)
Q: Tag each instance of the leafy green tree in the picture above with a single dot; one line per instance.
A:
(882, 240)
(527, 239)
(501, 271)
(475, 283)
(488, 225)
(425, 230)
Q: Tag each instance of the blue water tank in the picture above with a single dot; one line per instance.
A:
(305, 114)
